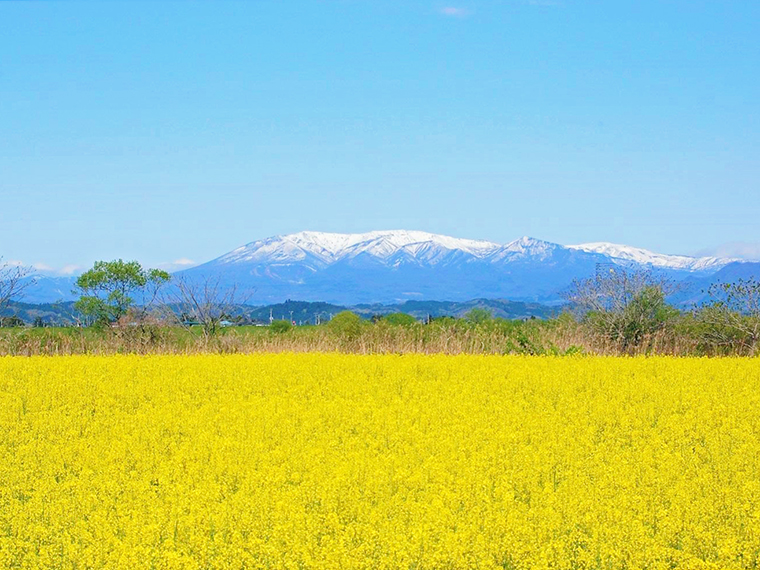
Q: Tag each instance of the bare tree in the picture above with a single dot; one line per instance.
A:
(623, 306)
(732, 315)
(13, 282)
(206, 302)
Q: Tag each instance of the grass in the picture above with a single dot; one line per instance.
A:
(496, 336)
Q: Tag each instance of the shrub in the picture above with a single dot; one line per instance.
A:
(478, 316)
(400, 319)
(346, 324)
(731, 318)
(280, 327)
(623, 307)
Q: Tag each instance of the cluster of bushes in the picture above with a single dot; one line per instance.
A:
(614, 313)
(629, 312)
(652, 330)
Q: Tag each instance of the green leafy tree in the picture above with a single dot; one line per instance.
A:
(399, 319)
(478, 316)
(111, 288)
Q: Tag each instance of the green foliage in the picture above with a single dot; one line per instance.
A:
(644, 315)
(624, 314)
(347, 325)
(93, 309)
(443, 321)
(478, 316)
(108, 290)
(520, 337)
(625, 308)
(280, 327)
(647, 314)
(11, 321)
(400, 319)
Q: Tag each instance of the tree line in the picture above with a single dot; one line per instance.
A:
(620, 308)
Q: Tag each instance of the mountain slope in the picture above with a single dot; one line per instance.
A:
(49, 289)
(399, 265)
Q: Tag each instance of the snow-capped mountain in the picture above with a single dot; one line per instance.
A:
(398, 265)
(646, 257)
(327, 248)
(389, 266)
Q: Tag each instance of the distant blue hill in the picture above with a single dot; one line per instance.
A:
(47, 289)
(398, 266)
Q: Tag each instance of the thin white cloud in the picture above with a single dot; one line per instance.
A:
(454, 12)
(743, 250)
(69, 269)
(73, 269)
(43, 268)
(177, 264)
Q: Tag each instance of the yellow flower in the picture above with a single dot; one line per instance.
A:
(344, 461)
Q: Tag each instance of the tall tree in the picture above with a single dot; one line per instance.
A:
(111, 288)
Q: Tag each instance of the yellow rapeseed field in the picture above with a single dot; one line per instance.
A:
(343, 461)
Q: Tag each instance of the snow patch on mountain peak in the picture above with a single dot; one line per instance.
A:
(645, 257)
(330, 247)
(525, 248)
(531, 245)
(394, 247)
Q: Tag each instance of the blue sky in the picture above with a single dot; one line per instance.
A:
(159, 131)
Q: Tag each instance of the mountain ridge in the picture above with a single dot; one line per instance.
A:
(394, 266)
(331, 247)
(644, 256)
